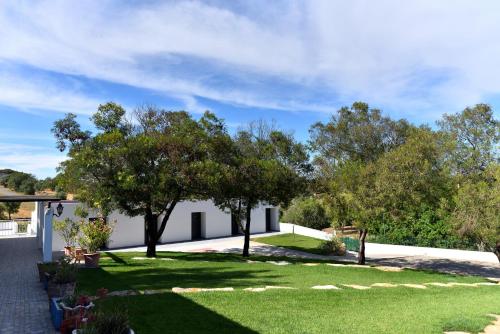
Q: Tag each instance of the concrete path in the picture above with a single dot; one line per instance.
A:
(380, 255)
(235, 245)
(24, 306)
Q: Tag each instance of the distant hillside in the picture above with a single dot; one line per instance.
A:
(4, 173)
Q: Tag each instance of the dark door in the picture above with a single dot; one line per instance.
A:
(235, 228)
(195, 225)
(268, 220)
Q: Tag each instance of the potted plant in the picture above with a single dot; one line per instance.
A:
(68, 230)
(46, 267)
(109, 322)
(95, 234)
(63, 282)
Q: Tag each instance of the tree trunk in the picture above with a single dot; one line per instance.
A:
(246, 245)
(362, 238)
(151, 222)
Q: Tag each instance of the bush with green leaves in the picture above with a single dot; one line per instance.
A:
(333, 246)
(66, 271)
(308, 212)
(95, 234)
(109, 322)
(68, 229)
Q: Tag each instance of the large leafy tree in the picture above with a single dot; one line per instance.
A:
(266, 166)
(144, 167)
(473, 136)
(477, 211)
(347, 147)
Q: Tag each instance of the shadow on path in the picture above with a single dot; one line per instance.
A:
(24, 306)
(442, 265)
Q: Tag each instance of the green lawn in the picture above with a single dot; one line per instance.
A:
(293, 241)
(378, 310)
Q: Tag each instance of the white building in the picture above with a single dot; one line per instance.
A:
(190, 220)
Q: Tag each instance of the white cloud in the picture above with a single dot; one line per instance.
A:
(36, 160)
(417, 57)
(41, 93)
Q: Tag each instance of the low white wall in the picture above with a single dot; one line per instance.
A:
(308, 232)
(386, 251)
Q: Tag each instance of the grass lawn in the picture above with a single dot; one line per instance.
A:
(293, 241)
(378, 310)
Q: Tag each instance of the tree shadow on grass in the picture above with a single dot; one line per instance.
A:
(163, 278)
(172, 313)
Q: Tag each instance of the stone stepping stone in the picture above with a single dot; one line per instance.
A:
(325, 287)
(152, 292)
(493, 279)
(389, 269)
(188, 290)
(358, 266)
(168, 259)
(473, 285)
(335, 265)
(251, 261)
(384, 285)
(357, 287)
(255, 289)
(445, 285)
(122, 293)
(279, 263)
(279, 287)
(414, 286)
(486, 284)
(141, 258)
(311, 264)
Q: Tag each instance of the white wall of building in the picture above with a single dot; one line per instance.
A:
(129, 231)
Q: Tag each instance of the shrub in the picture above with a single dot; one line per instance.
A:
(68, 230)
(66, 271)
(109, 322)
(307, 212)
(95, 234)
(333, 246)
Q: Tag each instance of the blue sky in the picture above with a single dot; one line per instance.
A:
(295, 62)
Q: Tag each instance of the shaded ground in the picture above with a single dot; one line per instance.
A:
(24, 306)
(442, 265)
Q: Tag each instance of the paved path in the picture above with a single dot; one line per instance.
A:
(234, 245)
(24, 306)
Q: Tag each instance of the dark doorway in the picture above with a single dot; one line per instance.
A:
(235, 228)
(268, 220)
(195, 225)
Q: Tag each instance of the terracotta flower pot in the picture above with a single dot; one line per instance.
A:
(69, 251)
(92, 260)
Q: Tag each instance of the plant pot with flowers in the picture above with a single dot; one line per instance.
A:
(94, 235)
(68, 230)
(63, 282)
(114, 321)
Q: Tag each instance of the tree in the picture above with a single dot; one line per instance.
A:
(357, 133)
(267, 166)
(11, 208)
(347, 148)
(143, 168)
(477, 211)
(308, 212)
(474, 135)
